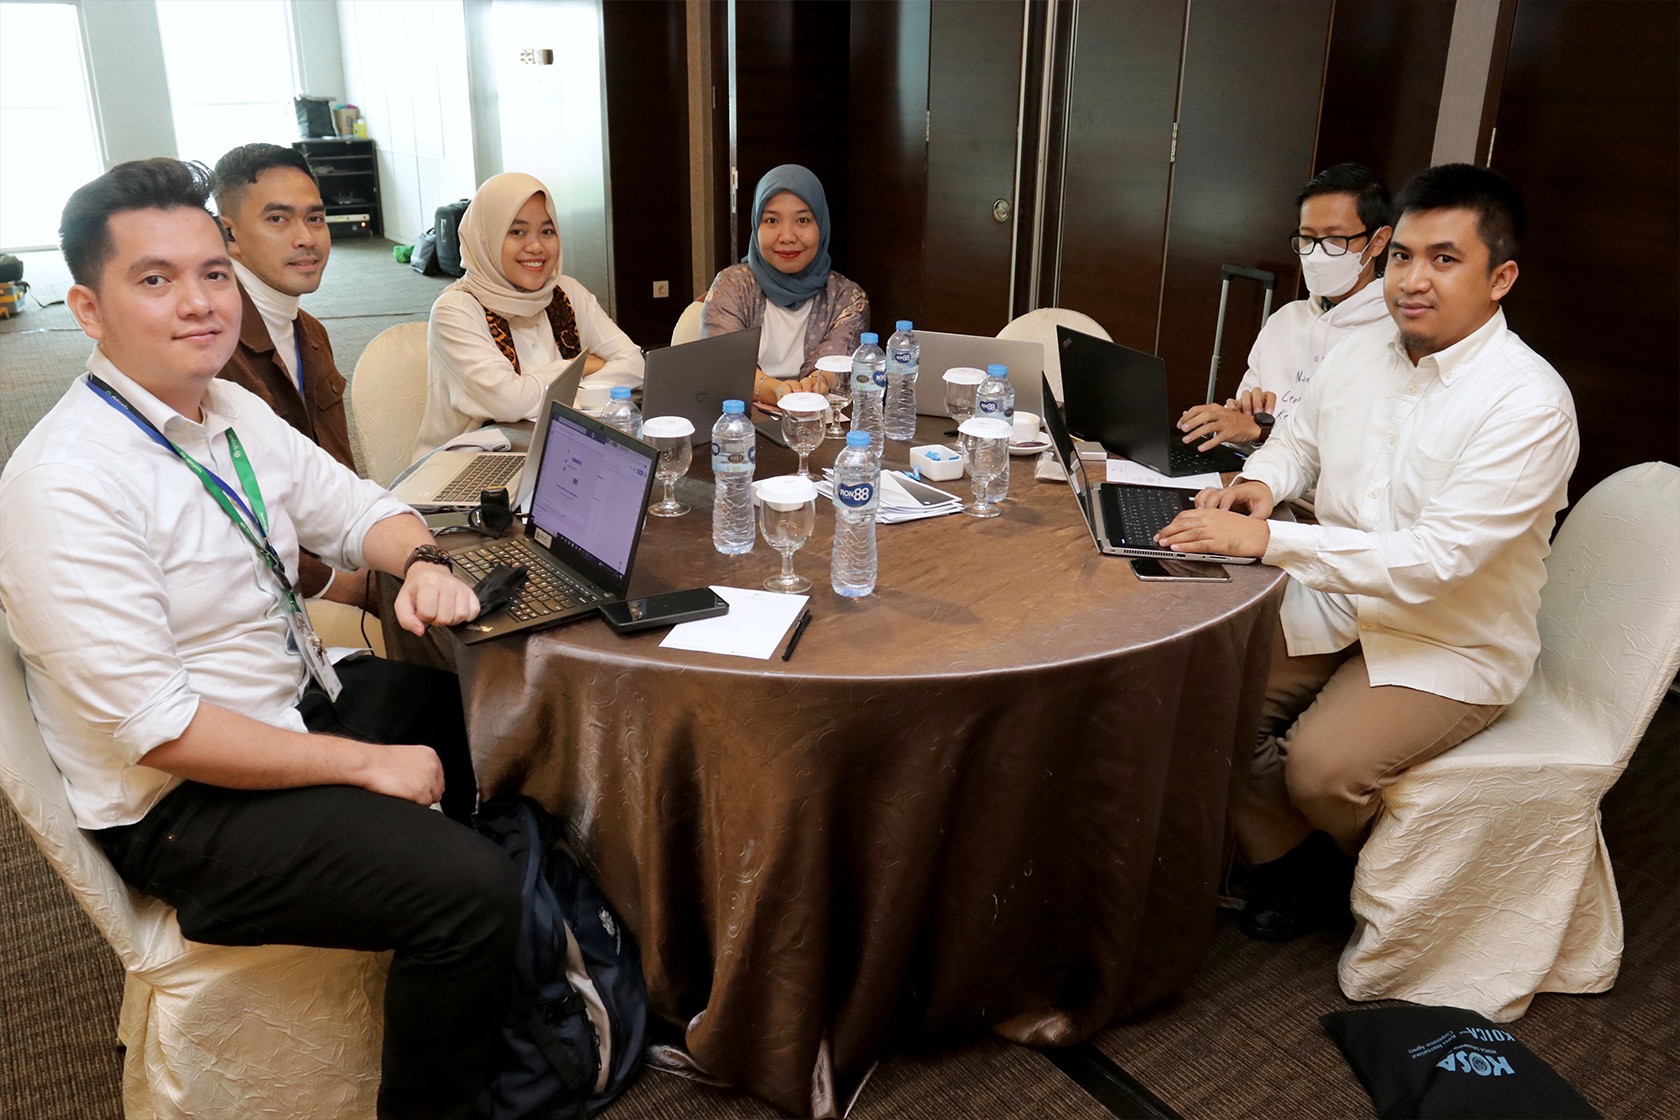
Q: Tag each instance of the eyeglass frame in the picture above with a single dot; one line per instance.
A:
(1326, 241)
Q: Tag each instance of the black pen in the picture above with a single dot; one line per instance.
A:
(804, 621)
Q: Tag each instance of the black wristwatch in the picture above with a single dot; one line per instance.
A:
(427, 554)
(1265, 420)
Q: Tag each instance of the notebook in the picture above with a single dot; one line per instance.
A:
(587, 511)
(454, 479)
(1118, 397)
(692, 380)
(1123, 518)
(941, 352)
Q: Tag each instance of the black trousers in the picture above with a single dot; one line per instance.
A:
(341, 867)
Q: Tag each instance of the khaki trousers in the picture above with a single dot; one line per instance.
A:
(1330, 741)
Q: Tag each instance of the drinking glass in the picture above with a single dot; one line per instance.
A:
(986, 442)
(839, 393)
(802, 425)
(787, 513)
(672, 435)
(961, 385)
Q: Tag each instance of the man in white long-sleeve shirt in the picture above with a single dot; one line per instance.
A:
(1441, 447)
(149, 534)
(1341, 237)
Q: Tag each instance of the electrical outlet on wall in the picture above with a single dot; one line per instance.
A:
(661, 289)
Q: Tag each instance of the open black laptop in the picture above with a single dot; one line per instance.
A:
(1118, 397)
(587, 513)
(693, 379)
(1123, 518)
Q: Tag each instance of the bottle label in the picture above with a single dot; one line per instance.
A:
(735, 462)
(861, 378)
(859, 496)
(881, 377)
(987, 407)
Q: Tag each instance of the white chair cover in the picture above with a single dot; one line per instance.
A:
(388, 399)
(1485, 879)
(213, 1032)
(688, 323)
(1040, 326)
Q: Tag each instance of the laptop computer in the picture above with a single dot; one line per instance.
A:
(693, 379)
(454, 479)
(941, 352)
(1118, 397)
(587, 512)
(1123, 518)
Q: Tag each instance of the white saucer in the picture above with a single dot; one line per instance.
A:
(1032, 447)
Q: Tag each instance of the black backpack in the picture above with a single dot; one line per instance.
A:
(447, 223)
(577, 1024)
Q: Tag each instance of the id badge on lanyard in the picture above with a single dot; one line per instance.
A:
(303, 637)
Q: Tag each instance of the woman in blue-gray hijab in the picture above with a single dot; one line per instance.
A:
(785, 286)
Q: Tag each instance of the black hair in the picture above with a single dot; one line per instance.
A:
(1462, 186)
(239, 169)
(84, 230)
(1370, 196)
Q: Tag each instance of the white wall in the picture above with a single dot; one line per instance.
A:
(405, 67)
(130, 90)
(320, 65)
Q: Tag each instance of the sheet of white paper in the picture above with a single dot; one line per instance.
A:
(1127, 470)
(482, 439)
(754, 626)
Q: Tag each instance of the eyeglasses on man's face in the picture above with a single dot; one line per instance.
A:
(1334, 244)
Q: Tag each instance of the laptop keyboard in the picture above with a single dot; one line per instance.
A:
(547, 590)
(485, 472)
(1139, 512)
(1185, 459)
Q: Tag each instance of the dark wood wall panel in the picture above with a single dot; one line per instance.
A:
(1252, 75)
(887, 167)
(1588, 122)
(974, 81)
(1116, 170)
(646, 57)
(792, 89)
(1382, 85)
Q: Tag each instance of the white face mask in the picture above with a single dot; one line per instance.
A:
(1328, 276)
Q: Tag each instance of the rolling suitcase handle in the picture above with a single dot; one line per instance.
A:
(1261, 276)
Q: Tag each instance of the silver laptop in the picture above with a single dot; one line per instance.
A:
(941, 352)
(589, 507)
(693, 380)
(1123, 518)
(454, 479)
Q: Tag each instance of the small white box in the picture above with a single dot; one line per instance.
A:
(938, 463)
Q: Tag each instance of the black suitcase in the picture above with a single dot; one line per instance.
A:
(447, 224)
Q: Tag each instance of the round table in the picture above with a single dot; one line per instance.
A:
(993, 794)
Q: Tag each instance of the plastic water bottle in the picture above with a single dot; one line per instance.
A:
(996, 399)
(869, 386)
(734, 454)
(857, 478)
(621, 414)
(904, 358)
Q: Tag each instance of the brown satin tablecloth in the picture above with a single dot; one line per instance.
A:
(991, 794)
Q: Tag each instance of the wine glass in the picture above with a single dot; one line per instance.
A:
(986, 442)
(961, 385)
(802, 425)
(839, 395)
(673, 436)
(787, 514)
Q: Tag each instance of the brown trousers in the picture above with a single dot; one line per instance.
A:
(1330, 741)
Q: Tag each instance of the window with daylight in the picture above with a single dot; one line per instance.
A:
(230, 69)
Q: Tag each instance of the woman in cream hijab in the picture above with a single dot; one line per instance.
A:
(503, 332)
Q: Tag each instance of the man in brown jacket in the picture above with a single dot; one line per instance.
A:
(276, 229)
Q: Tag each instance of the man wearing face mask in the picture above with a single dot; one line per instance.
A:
(1341, 238)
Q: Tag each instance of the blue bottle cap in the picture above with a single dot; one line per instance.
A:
(620, 393)
(869, 338)
(905, 324)
(997, 369)
(733, 408)
(857, 439)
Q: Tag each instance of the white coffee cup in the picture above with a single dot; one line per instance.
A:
(592, 397)
(1026, 427)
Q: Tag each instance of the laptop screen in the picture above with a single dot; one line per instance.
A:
(592, 485)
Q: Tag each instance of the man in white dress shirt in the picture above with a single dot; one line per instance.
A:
(149, 534)
(1341, 237)
(1441, 447)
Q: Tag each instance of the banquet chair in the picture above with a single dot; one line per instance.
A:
(388, 399)
(1040, 326)
(1485, 879)
(688, 323)
(212, 1032)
